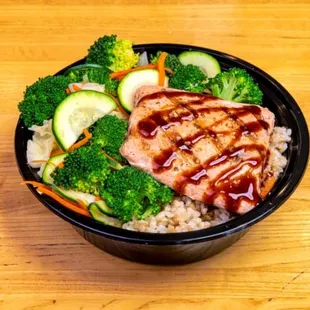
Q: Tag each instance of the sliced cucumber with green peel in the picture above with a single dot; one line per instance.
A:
(103, 218)
(132, 81)
(104, 208)
(77, 112)
(74, 196)
(204, 61)
(51, 165)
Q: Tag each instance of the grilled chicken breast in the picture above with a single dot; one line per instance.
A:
(203, 147)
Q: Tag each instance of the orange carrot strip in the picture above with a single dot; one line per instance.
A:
(121, 109)
(161, 68)
(87, 134)
(63, 202)
(36, 184)
(76, 88)
(68, 92)
(268, 186)
(120, 73)
(98, 198)
(56, 152)
(60, 165)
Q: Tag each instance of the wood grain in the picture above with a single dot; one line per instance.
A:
(44, 264)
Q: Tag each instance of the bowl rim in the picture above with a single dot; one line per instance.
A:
(266, 207)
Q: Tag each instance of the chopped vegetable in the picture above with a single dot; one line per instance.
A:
(77, 112)
(70, 205)
(85, 169)
(207, 63)
(268, 186)
(124, 72)
(42, 98)
(94, 75)
(109, 133)
(172, 61)
(189, 78)
(132, 81)
(132, 193)
(236, 85)
(161, 69)
(111, 53)
(82, 142)
(143, 60)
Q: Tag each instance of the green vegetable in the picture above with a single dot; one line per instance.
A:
(236, 85)
(85, 170)
(109, 133)
(117, 55)
(172, 61)
(75, 196)
(101, 217)
(208, 64)
(132, 81)
(77, 112)
(132, 193)
(42, 98)
(50, 166)
(95, 74)
(189, 78)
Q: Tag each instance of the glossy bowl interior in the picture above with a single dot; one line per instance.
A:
(166, 248)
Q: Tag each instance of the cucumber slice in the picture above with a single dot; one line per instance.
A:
(104, 208)
(132, 81)
(103, 218)
(209, 65)
(51, 165)
(74, 196)
(77, 112)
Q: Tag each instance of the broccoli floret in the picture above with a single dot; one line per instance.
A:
(132, 193)
(189, 78)
(117, 55)
(235, 85)
(42, 98)
(95, 75)
(109, 133)
(172, 61)
(84, 169)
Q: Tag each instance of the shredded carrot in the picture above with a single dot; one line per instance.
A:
(161, 68)
(68, 92)
(82, 204)
(63, 202)
(120, 108)
(98, 198)
(268, 186)
(76, 87)
(60, 165)
(87, 134)
(115, 75)
(36, 184)
(56, 152)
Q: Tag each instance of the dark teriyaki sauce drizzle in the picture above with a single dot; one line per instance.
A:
(229, 186)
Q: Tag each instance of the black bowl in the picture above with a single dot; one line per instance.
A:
(180, 248)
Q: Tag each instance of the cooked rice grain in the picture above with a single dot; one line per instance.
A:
(184, 214)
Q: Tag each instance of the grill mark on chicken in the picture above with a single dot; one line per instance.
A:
(236, 185)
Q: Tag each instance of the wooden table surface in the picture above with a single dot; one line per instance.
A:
(44, 264)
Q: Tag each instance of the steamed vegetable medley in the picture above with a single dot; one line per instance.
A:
(80, 120)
